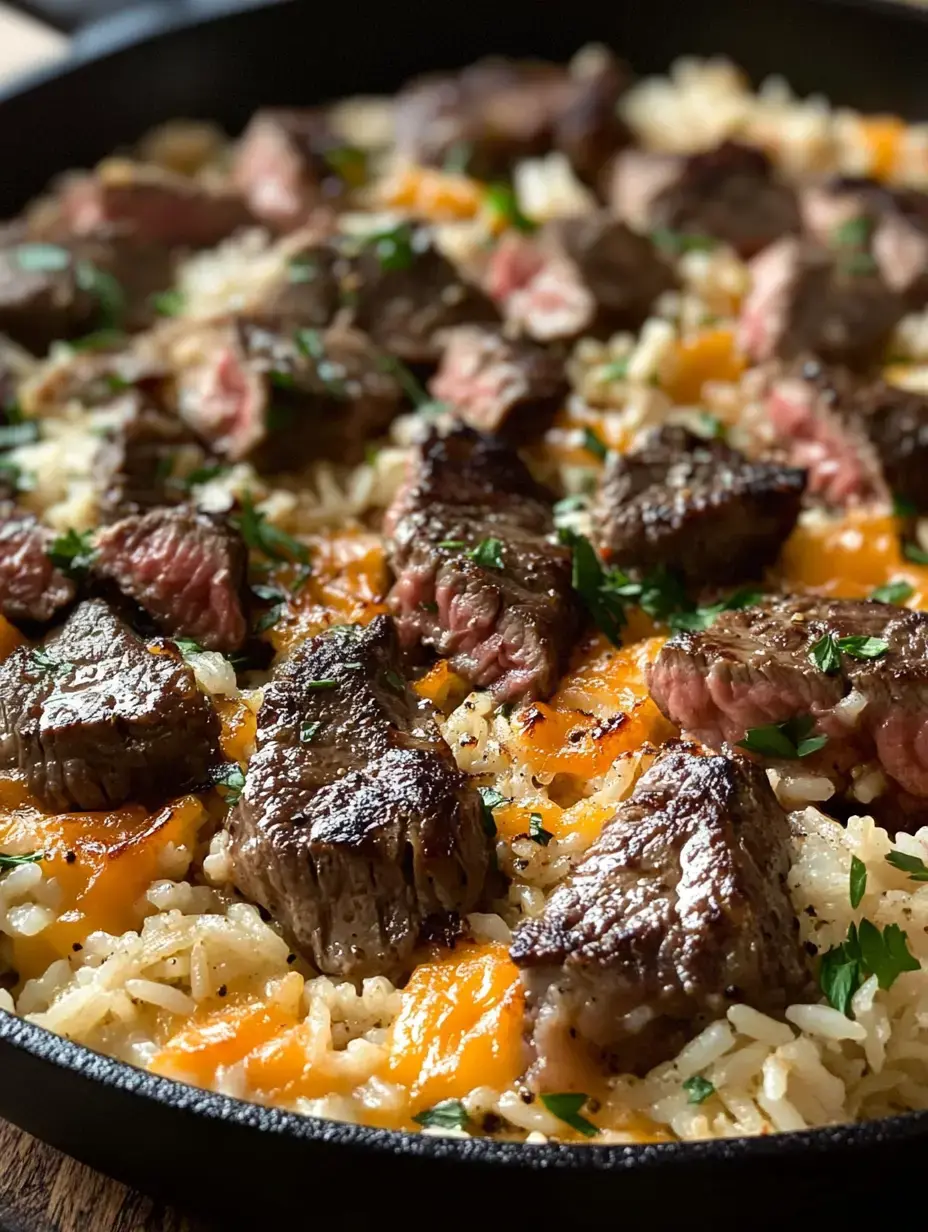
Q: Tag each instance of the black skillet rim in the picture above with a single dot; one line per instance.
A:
(111, 36)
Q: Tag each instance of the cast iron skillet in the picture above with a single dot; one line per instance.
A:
(253, 1165)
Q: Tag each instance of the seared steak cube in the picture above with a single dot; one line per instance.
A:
(753, 668)
(186, 569)
(496, 384)
(31, 587)
(498, 111)
(678, 910)
(695, 506)
(355, 828)
(93, 718)
(407, 293)
(134, 468)
(40, 305)
(480, 577)
(279, 398)
(808, 299)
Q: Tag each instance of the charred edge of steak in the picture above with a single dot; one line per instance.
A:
(32, 588)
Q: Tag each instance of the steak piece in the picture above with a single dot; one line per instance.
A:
(317, 282)
(892, 221)
(808, 299)
(135, 462)
(151, 205)
(93, 718)
(355, 828)
(31, 587)
(480, 577)
(679, 909)
(188, 570)
(590, 275)
(731, 193)
(405, 301)
(280, 398)
(499, 111)
(496, 384)
(752, 668)
(289, 163)
(696, 506)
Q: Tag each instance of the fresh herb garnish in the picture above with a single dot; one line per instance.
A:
(917, 555)
(277, 598)
(9, 861)
(230, 779)
(710, 426)
(490, 799)
(616, 370)
(825, 655)
(41, 258)
(852, 233)
(893, 592)
(20, 432)
(504, 204)
(262, 536)
(790, 740)
(204, 474)
(536, 831)
(394, 680)
(864, 648)
(411, 386)
(169, 303)
(903, 507)
(310, 343)
(452, 545)
(568, 505)
(858, 881)
(488, 554)
(449, 1114)
(43, 660)
(349, 162)
(566, 1107)
(866, 951)
(319, 686)
(675, 243)
(309, 731)
(592, 444)
(698, 1089)
(858, 263)
(187, 646)
(393, 248)
(99, 340)
(696, 619)
(107, 291)
(595, 586)
(915, 867)
(73, 552)
(302, 269)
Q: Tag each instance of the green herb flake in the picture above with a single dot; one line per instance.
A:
(840, 975)
(502, 201)
(19, 432)
(700, 618)
(710, 426)
(698, 1089)
(169, 303)
(110, 297)
(309, 731)
(10, 861)
(44, 661)
(490, 799)
(917, 555)
(852, 233)
(73, 552)
(568, 505)
(597, 589)
(488, 554)
(349, 163)
(893, 592)
(394, 680)
(277, 598)
(320, 686)
(866, 951)
(536, 831)
(204, 474)
(864, 648)
(99, 340)
(230, 779)
(452, 545)
(789, 740)
(675, 243)
(566, 1107)
(615, 370)
(302, 269)
(393, 248)
(310, 342)
(187, 647)
(858, 264)
(41, 258)
(903, 507)
(858, 881)
(825, 655)
(916, 868)
(449, 1114)
(262, 536)
(592, 444)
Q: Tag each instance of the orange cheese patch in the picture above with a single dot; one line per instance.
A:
(219, 1036)
(708, 356)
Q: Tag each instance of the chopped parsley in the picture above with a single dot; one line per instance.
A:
(490, 799)
(858, 263)
(187, 646)
(915, 867)
(394, 680)
(698, 618)
(852, 233)
(350, 164)
(710, 426)
(309, 342)
(698, 1089)
(597, 587)
(791, 739)
(319, 686)
(262, 536)
(41, 258)
(43, 660)
(302, 269)
(18, 432)
(903, 507)
(452, 544)
(536, 831)
(675, 243)
(105, 289)
(488, 554)
(893, 592)
(917, 555)
(205, 474)
(866, 951)
(858, 881)
(825, 655)
(99, 340)
(616, 370)
(449, 1114)
(230, 780)
(73, 552)
(503, 204)
(309, 731)
(864, 648)
(592, 444)
(568, 505)
(277, 598)
(169, 303)
(394, 248)
(566, 1107)
(9, 861)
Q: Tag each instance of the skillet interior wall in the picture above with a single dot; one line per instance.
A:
(870, 55)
